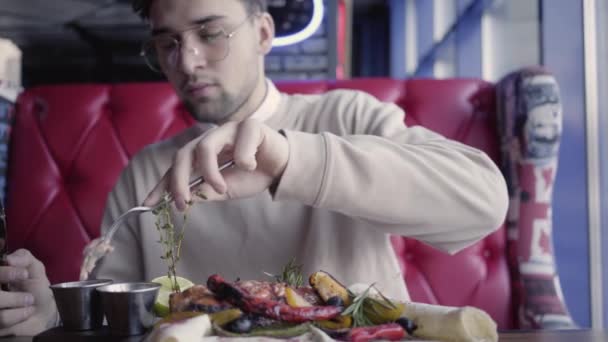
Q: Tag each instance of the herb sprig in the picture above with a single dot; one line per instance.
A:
(170, 240)
(364, 306)
(291, 274)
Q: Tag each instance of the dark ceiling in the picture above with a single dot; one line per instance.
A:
(75, 40)
(87, 40)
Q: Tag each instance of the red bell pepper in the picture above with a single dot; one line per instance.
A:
(391, 332)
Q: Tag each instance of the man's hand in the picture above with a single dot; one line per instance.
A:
(28, 308)
(259, 152)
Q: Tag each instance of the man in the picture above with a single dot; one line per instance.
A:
(323, 178)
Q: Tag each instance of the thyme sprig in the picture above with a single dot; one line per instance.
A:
(364, 306)
(291, 274)
(170, 240)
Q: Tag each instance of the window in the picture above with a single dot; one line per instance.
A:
(510, 37)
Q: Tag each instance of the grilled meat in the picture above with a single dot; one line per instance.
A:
(197, 298)
(263, 289)
(269, 307)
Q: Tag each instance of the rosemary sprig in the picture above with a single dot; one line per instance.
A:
(171, 240)
(356, 310)
(291, 274)
(364, 305)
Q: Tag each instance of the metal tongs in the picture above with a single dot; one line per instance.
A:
(142, 209)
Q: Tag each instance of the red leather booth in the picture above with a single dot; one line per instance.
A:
(70, 142)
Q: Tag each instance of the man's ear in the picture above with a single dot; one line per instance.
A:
(266, 33)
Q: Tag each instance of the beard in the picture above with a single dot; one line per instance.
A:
(220, 108)
(213, 110)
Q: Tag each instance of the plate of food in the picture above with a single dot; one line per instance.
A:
(289, 305)
(315, 308)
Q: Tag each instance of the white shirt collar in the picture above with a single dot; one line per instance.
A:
(270, 104)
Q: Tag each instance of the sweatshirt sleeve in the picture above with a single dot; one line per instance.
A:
(124, 263)
(407, 181)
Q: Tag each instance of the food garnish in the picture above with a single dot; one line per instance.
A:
(161, 305)
(367, 309)
(170, 240)
(291, 274)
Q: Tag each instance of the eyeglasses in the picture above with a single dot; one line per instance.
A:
(163, 51)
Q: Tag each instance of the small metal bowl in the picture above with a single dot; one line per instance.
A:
(129, 307)
(79, 305)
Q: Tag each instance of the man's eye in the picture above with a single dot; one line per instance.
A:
(210, 36)
(165, 44)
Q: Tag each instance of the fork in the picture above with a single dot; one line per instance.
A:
(142, 209)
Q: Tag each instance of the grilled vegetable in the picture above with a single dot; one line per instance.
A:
(390, 332)
(335, 301)
(241, 325)
(368, 309)
(381, 312)
(226, 316)
(294, 299)
(267, 307)
(407, 324)
(328, 287)
(338, 323)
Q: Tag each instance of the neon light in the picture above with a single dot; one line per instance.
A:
(309, 30)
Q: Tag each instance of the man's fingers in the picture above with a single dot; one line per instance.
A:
(10, 274)
(22, 258)
(156, 195)
(15, 307)
(10, 318)
(205, 192)
(248, 140)
(212, 148)
(15, 300)
(201, 156)
(207, 166)
(180, 177)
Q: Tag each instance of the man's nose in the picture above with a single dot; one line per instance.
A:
(191, 56)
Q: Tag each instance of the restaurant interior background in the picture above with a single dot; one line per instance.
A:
(63, 41)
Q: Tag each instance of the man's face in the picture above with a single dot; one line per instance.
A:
(211, 89)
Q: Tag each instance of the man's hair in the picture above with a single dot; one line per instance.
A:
(142, 7)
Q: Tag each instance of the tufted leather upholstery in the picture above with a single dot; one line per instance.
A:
(70, 143)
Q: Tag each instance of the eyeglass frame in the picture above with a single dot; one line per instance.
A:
(227, 36)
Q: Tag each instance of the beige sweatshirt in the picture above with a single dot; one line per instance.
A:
(355, 175)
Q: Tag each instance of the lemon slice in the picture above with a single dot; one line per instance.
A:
(161, 306)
